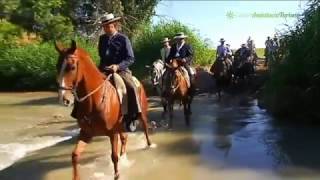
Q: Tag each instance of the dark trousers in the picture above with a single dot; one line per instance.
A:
(188, 68)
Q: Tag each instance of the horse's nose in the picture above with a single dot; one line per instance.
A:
(66, 102)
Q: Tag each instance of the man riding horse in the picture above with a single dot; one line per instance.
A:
(184, 52)
(267, 51)
(116, 55)
(223, 54)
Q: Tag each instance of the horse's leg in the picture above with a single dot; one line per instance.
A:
(114, 154)
(186, 111)
(144, 119)
(170, 106)
(219, 90)
(124, 139)
(164, 105)
(79, 148)
(189, 104)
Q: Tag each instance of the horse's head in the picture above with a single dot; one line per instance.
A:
(175, 75)
(69, 73)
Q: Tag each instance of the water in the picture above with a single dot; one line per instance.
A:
(12, 152)
(232, 139)
(27, 121)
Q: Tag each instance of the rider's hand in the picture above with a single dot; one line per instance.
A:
(113, 67)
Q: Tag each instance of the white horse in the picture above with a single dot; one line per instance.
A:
(156, 73)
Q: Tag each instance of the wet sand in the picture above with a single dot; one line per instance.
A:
(232, 139)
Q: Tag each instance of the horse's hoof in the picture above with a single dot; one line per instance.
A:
(153, 146)
(116, 176)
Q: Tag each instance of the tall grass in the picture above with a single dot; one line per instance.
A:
(294, 85)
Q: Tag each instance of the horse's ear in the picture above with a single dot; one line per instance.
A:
(73, 47)
(58, 46)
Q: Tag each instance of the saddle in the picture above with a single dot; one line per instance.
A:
(121, 89)
(185, 74)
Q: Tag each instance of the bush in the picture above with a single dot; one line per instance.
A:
(147, 44)
(294, 85)
(32, 66)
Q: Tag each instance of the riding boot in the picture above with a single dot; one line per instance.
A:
(191, 78)
(134, 107)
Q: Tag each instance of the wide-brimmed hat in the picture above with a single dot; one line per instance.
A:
(222, 40)
(108, 18)
(180, 35)
(165, 40)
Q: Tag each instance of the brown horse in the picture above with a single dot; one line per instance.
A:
(98, 106)
(176, 88)
(222, 73)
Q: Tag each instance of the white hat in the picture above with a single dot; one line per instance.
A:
(180, 35)
(108, 18)
(165, 40)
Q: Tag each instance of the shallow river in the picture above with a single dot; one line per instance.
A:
(231, 139)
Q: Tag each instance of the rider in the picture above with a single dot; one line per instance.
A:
(268, 43)
(244, 52)
(275, 43)
(229, 51)
(252, 49)
(116, 55)
(183, 51)
(165, 50)
(222, 52)
(249, 40)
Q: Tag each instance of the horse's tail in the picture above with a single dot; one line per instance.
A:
(143, 99)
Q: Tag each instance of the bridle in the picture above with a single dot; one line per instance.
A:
(74, 88)
(174, 88)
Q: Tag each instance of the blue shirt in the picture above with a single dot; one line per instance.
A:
(221, 51)
(115, 49)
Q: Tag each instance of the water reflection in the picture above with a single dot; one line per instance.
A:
(293, 145)
(222, 135)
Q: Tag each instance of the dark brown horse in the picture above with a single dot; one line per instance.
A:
(176, 89)
(222, 73)
(98, 106)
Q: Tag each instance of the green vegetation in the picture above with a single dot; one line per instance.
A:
(57, 19)
(294, 85)
(147, 43)
(260, 52)
(32, 66)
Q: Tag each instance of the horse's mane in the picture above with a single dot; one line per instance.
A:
(85, 58)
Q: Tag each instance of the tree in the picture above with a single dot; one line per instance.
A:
(134, 12)
(49, 18)
(60, 18)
